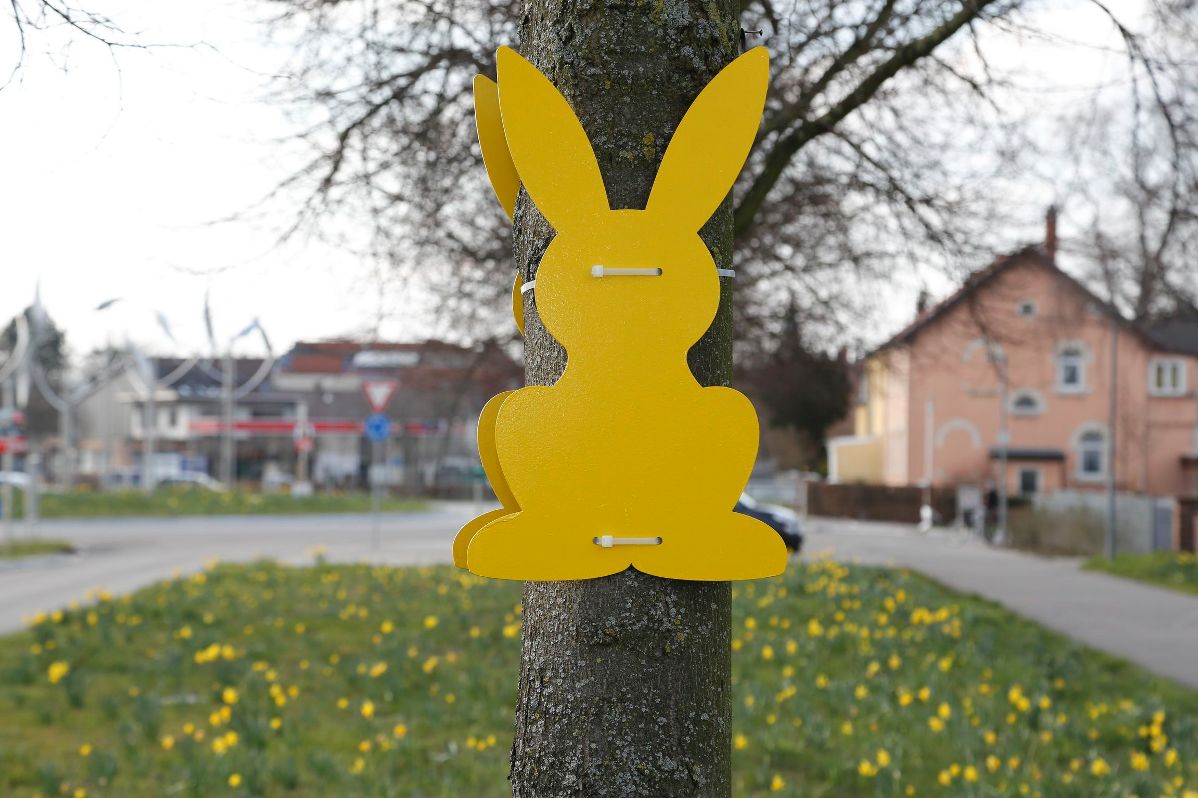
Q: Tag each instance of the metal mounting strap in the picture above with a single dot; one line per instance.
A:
(615, 271)
(610, 271)
(607, 541)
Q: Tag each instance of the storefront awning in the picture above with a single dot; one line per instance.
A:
(1027, 454)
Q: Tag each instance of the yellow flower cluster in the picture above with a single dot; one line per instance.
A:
(909, 681)
(848, 681)
(57, 672)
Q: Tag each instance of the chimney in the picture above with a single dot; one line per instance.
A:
(922, 301)
(1050, 234)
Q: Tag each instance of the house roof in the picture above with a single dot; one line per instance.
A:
(371, 357)
(1178, 335)
(1171, 335)
(972, 283)
(427, 366)
(204, 380)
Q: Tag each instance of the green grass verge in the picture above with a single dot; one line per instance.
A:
(1176, 570)
(190, 501)
(33, 548)
(372, 681)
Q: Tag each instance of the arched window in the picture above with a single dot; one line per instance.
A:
(992, 351)
(1091, 454)
(1071, 368)
(1026, 403)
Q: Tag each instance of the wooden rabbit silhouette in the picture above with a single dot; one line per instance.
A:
(626, 460)
(506, 183)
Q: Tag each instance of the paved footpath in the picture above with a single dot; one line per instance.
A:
(1155, 628)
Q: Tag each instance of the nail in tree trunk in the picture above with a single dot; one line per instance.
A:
(625, 681)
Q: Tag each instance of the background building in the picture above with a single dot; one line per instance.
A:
(1025, 348)
(307, 414)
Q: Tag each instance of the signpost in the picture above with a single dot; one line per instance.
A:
(378, 431)
(378, 427)
(304, 436)
(8, 416)
(379, 393)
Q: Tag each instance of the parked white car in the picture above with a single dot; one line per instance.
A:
(190, 479)
(14, 478)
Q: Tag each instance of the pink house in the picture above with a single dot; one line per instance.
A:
(1025, 346)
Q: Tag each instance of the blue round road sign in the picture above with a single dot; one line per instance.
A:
(378, 427)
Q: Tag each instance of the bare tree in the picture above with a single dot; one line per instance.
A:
(1138, 172)
(30, 17)
(885, 128)
(844, 178)
(887, 131)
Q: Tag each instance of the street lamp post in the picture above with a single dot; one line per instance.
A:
(109, 436)
(1112, 426)
(66, 403)
(226, 440)
(998, 358)
(17, 360)
(230, 391)
(9, 516)
(148, 475)
(147, 366)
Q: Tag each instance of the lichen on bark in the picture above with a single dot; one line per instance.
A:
(625, 683)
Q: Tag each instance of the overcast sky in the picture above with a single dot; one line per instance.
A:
(116, 170)
(115, 174)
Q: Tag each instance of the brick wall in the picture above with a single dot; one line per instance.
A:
(878, 502)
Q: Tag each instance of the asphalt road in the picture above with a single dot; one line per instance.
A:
(122, 555)
(1155, 628)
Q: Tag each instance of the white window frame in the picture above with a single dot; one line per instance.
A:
(1027, 309)
(1020, 393)
(1080, 450)
(1178, 363)
(1039, 472)
(1083, 362)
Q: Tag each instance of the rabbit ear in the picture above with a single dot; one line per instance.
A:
(711, 143)
(496, 158)
(548, 145)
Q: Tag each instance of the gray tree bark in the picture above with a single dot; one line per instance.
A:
(625, 683)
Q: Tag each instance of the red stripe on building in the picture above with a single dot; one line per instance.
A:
(215, 426)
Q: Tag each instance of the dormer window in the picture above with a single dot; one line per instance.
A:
(1071, 368)
(1167, 376)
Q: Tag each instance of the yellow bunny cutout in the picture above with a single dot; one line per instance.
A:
(506, 184)
(626, 461)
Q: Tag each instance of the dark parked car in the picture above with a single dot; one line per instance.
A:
(783, 521)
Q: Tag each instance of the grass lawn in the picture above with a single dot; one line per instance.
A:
(371, 681)
(1176, 570)
(33, 548)
(193, 501)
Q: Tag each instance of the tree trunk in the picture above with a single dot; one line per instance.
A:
(625, 683)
